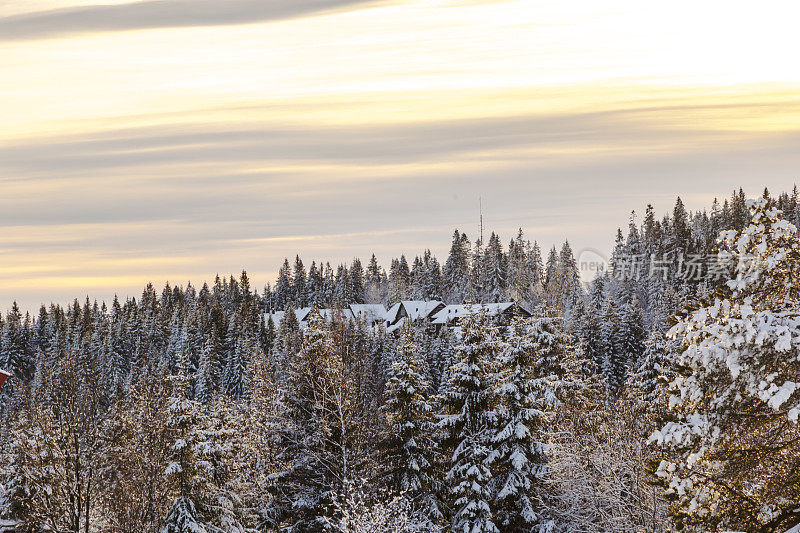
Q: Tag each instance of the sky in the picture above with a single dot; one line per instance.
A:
(168, 140)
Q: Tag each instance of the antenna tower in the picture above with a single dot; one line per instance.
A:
(480, 212)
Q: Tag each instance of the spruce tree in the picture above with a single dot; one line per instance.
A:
(496, 271)
(552, 281)
(304, 488)
(527, 390)
(408, 446)
(283, 295)
(468, 404)
(209, 375)
(299, 293)
(456, 269)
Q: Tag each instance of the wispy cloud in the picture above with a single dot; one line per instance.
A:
(151, 14)
(278, 147)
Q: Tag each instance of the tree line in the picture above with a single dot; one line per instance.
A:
(620, 405)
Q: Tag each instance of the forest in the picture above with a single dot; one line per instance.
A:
(663, 395)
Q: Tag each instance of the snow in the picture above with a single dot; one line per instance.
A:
(419, 309)
(277, 317)
(453, 312)
(397, 325)
(371, 313)
(391, 314)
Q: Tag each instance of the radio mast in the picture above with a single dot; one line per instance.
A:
(480, 212)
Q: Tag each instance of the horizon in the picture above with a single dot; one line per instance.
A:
(439, 251)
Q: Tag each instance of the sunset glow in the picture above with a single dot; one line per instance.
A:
(239, 132)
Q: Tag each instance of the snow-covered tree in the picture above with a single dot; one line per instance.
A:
(209, 375)
(55, 450)
(467, 421)
(732, 458)
(495, 271)
(456, 269)
(631, 333)
(520, 273)
(312, 436)
(527, 389)
(284, 294)
(299, 288)
(198, 458)
(654, 370)
(408, 447)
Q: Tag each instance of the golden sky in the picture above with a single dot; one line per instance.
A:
(173, 139)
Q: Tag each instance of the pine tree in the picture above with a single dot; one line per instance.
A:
(237, 371)
(191, 469)
(357, 281)
(432, 284)
(631, 333)
(408, 446)
(314, 287)
(569, 281)
(283, 295)
(468, 405)
(373, 284)
(299, 283)
(15, 353)
(654, 370)
(537, 275)
(527, 389)
(209, 375)
(343, 291)
(552, 285)
(399, 280)
(615, 364)
(456, 269)
(496, 271)
(304, 489)
(520, 274)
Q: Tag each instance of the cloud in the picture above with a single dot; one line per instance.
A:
(150, 14)
(372, 144)
(208, 198)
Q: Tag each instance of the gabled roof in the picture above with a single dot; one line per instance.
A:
(394, 327)
(452, 312)
(277, 316)
(328, 314)
(302, 313)
(369, 312)
(419, 309)
(391, 314)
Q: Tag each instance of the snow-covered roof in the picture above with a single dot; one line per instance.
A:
(418, 309)
(369, 312)
(302, 313)
(451, 312)
(394, 327)
(391, 314)
(328, 314)
(277, 316)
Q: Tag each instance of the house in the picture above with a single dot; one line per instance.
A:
(304, 313)
(393, 314)
(413, 310)
(330, 314)
(502, 313)
(371, 314)
(277, 317)
(409, 312)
